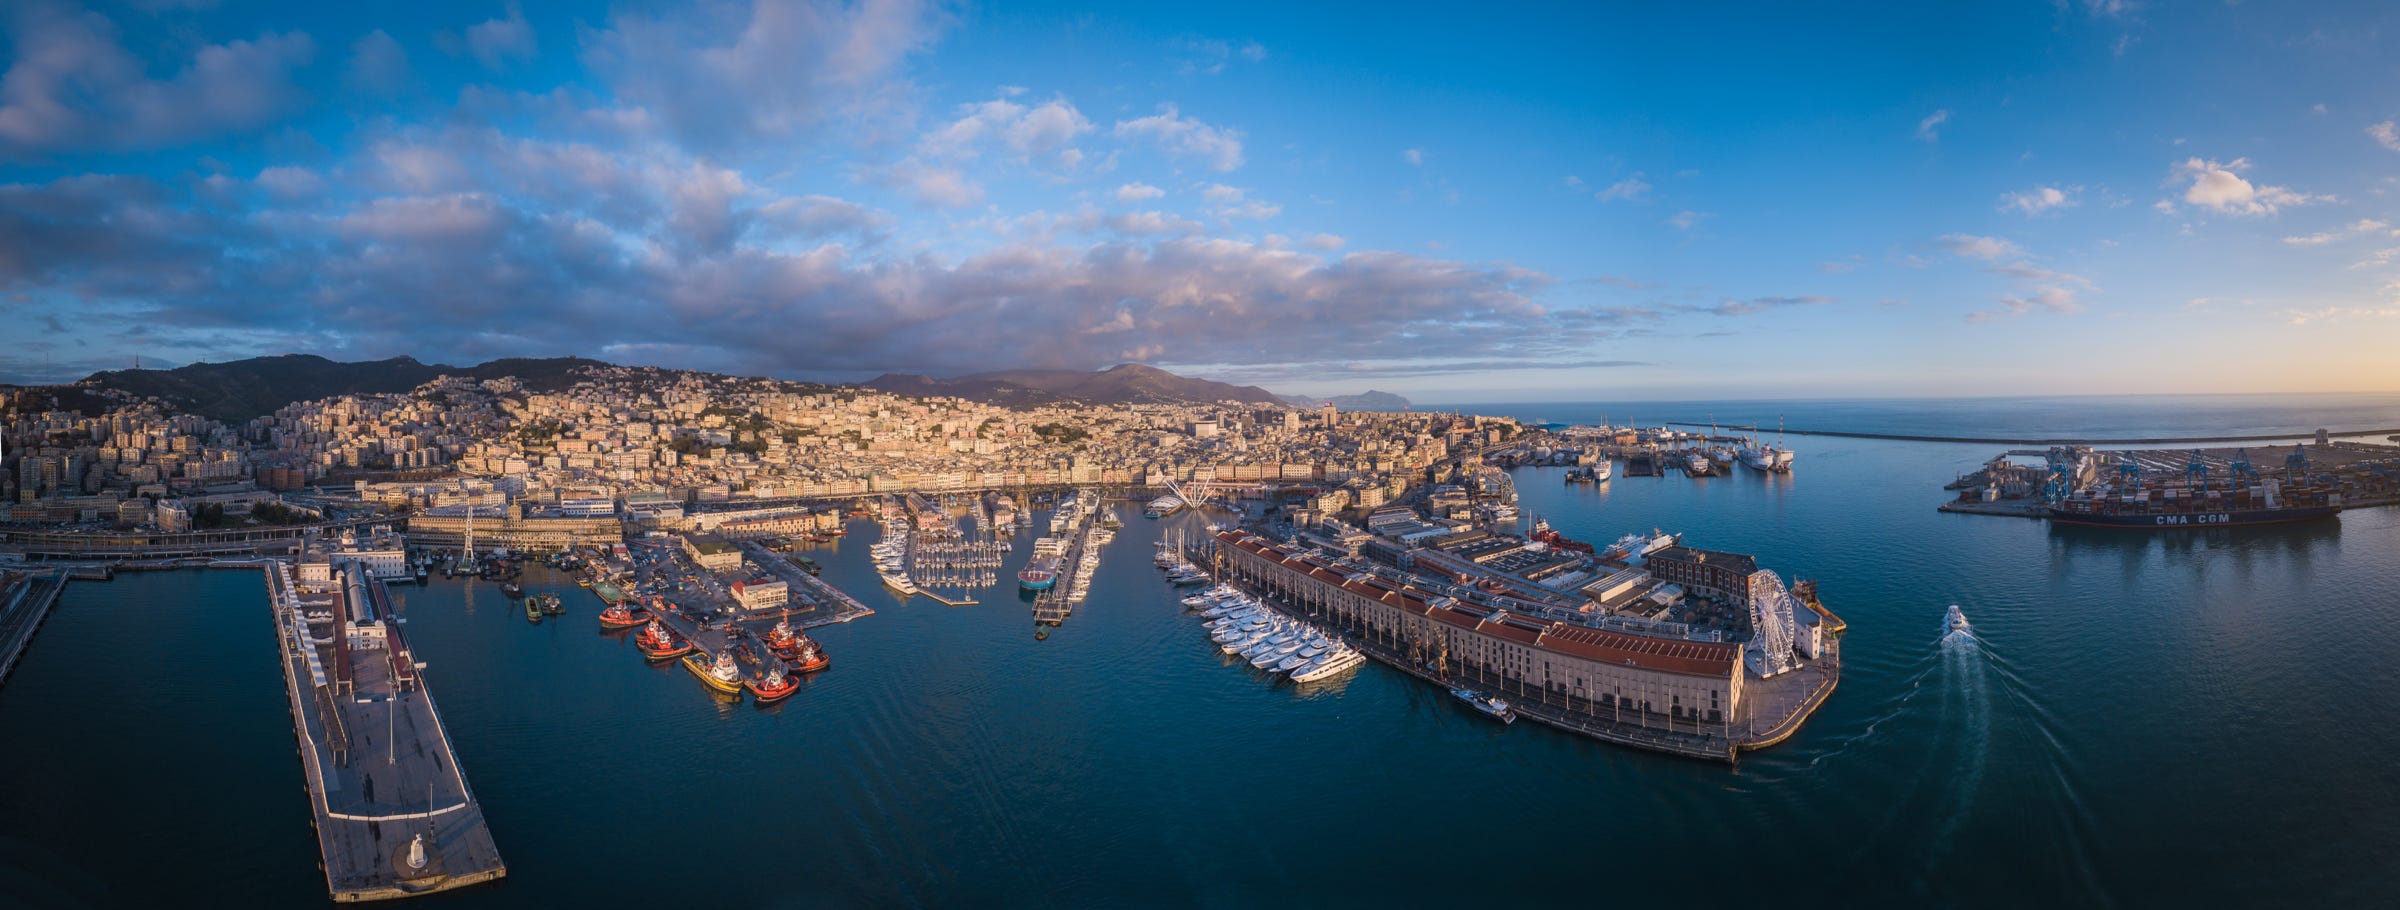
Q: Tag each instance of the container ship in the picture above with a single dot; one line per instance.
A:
(2182, 506)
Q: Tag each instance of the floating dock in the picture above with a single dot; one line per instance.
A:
(393, 812)
(25, 600)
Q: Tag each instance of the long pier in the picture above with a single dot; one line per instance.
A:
(2056, 441)
(25, 600)
(393, 812)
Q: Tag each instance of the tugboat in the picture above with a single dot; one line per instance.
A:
(772, 688)
(512, 589)
(796, 648)
(661, 643)
(1491, 705)
(722, 674)
(620, 616)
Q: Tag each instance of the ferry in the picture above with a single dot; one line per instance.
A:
(722, 674)
(1491, 705)
(773, 687)
(1039, 574)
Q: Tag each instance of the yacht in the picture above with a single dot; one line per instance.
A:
(1957, 619)
(1491, 705)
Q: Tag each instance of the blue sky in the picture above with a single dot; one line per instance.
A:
(1579, 201)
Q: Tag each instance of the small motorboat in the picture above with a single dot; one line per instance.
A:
(1491, 705)
(1956, 619)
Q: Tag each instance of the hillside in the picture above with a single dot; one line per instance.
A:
(242, 389)
(1369, 400)
(1130, 383)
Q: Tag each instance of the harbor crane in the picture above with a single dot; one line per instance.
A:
(2196, 473)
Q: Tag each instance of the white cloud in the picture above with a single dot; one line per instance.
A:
(1040, 135)
(1153, 223)
(1629, 189)
(72, 87)
(1687, 219)
(1133, 192)
(2360, 227)
(2387, 134)
(1930, 128)
(2023, 271)
(498, 42)
(1977, 247)
(2036, 201)
(2220, 187)
(1413, 156)
(1220, 193)
(1325, 242)
(933, 184)
(1181, 137)
(1574, 182)
(2042, 299)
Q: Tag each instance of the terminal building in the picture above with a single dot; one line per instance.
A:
(1605, 676)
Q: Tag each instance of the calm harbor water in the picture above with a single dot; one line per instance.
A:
(2136, 720)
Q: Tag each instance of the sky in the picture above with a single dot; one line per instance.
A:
(1499, 202)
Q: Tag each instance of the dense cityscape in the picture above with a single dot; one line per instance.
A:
(896, 453)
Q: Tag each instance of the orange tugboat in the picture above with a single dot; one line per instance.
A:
(661, 643)
(773, 688)
(722, 674)
(624, 615)
(796, 648)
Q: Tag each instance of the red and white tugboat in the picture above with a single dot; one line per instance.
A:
(773, 687)
(661, 643)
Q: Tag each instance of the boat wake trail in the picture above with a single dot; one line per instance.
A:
(1966, 721)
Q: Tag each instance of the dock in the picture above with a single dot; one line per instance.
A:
(832, 604)
(393, 812)
(25, 600)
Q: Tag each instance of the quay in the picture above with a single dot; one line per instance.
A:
(25, 600)
(832, 604)
(393, 812)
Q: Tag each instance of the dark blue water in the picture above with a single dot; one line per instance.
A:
(2136, 720)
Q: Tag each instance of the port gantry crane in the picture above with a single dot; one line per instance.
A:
(2196, 473)
(2295, 466)
(2242, 473)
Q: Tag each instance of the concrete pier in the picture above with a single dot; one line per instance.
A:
(25, 600)
(393, 812)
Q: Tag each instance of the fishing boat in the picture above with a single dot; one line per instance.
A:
(1491, 705)
(512, 589)
(549, 604)
(722, 674)
(773, 687)
(661, 643)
